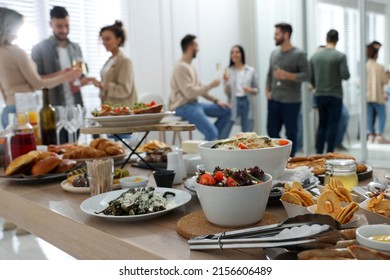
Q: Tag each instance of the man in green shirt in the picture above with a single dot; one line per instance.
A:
(328, 69)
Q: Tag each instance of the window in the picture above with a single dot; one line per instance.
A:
(86, 19)
(346, 21)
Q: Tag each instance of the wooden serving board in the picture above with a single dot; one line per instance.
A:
(196, 224)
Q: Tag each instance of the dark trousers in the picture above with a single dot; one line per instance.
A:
(329, 111)
(286, 114)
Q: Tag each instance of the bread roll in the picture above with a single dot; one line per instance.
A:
(22, 164)
(114, 150)
(65, 165)
(84, 153)
(43, 155)
(94, 143)
(45, 166)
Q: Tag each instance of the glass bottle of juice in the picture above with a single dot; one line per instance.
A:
(342, 169)
(28, 102)
(20, 138)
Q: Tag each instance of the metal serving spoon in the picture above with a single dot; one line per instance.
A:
(376, 185)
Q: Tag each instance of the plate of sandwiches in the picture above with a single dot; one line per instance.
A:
(37, 167)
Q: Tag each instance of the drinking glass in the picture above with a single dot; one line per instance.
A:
(218, 68)
(60, 121)
(71, 120)
(79, 64)
(276, 67)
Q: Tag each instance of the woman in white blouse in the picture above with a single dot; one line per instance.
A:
(241, 86)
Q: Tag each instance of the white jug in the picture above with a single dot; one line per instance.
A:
(174, 164)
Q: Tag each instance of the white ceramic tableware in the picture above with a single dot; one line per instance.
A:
(372, 218)
(364, 233)
(234, 206)
(294, 210)
(173, 163)
(191, 146)
(355, 218)
(272, 160)
(191, 161)
(97, 203)
(130, 120)
(133, 182)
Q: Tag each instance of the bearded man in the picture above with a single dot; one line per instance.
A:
(186, 88)
(58, 53)
(288, 69)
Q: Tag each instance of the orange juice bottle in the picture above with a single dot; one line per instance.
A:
(33, 119)
(28, 102)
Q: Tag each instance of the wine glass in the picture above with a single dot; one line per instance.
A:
(60, 121)
(80, 118)
(71, 120)
(277, 67)
(218, 68)
(79, 64)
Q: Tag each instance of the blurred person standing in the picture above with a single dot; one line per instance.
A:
(57, 54)
(18, 73)
(376, 97)
(288, 69)
(328, 69)
(186, 88)
(117, 84)
(241, 87)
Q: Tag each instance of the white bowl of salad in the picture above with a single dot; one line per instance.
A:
(233, 197)
(245, 150)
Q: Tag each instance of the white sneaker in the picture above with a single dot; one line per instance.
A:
(381, 140)
(371, 138)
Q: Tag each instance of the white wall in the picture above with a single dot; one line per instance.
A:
(156, 27)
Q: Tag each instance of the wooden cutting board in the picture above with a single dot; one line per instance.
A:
(196, 224)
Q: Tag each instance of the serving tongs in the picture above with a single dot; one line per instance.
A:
(262, 237)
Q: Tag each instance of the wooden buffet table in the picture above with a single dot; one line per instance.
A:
(54, 215)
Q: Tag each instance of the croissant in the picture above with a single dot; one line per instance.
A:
(110, 148)
(84, 152)
(94, 143)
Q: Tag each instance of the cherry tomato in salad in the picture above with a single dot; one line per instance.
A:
(219, 176)
(230, 182)
(152, 104)
(106, 107)
(283, 142)
(206, 179)
(242, 146)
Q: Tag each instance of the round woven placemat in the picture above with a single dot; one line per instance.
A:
(196, 224)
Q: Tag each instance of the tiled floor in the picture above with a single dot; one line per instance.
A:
(27, 247)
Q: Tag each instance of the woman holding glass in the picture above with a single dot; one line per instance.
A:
(18, 73)
(117, 85)
(241, 86)
(377, 78)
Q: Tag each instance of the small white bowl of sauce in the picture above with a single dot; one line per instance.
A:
(374, 236)
(134, 182)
